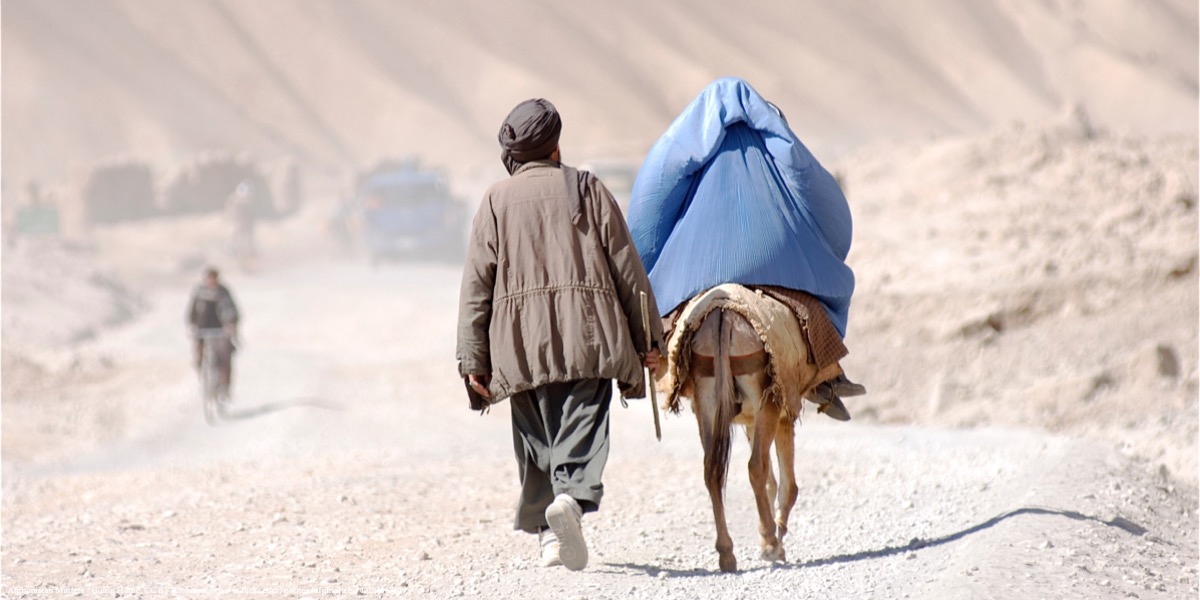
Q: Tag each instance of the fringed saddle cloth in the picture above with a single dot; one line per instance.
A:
(791, 368)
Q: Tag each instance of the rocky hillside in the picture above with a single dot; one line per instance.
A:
(338, 84)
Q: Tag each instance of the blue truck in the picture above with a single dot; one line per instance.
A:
(409, 213)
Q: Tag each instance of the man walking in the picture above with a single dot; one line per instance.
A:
(549, 315)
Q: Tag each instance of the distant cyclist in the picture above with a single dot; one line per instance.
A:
(212, 317)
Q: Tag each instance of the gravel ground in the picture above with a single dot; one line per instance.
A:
(391, 488)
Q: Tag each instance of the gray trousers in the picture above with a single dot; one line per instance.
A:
(560, 436)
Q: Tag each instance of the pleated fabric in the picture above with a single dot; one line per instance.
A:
(729, 194)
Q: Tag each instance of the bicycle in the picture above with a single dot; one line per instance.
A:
(214, 393)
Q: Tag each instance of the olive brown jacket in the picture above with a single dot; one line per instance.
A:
(550, 288)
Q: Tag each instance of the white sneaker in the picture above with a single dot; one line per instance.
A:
(564, 516)
(549, 544)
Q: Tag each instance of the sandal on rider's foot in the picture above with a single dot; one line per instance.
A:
(829, 404)
(835, 409)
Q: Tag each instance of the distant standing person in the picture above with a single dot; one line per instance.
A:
(549, 315)
(212, 317)
(241, 206)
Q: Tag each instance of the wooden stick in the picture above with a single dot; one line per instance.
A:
(649, 377)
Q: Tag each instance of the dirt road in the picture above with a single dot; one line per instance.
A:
(352, 466)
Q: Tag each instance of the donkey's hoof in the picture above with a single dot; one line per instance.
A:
(728, 563)
(774, 554)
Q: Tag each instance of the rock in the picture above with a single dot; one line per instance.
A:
(1053, 393)
(1075, 123)
(984, 324)
(1183, 267)
(1155, 361)
(1168, 360)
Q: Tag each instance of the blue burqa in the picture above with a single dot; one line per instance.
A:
(730, 195)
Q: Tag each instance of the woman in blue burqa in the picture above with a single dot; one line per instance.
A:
(729, 194)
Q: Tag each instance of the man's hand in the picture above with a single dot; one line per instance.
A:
(479, 383)
(650, 360)
(231, 332)
(478, 396)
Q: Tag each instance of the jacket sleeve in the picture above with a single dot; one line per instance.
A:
(228, 308)
(625, 265)
(475, 296)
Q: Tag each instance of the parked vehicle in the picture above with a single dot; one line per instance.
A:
(408, 212)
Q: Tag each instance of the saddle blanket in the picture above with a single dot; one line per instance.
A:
(791, 373)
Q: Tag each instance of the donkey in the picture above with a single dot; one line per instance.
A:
(721, 362)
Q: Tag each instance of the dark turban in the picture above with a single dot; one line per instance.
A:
(529, 133)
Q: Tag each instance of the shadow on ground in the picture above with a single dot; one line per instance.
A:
(914, 544)
(273, 407)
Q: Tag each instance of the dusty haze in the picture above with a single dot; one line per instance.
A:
(1023, 180)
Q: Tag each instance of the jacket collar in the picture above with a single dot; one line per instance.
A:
(575, 184)
(537, 164)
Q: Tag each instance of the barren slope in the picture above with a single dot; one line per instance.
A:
(341, 83)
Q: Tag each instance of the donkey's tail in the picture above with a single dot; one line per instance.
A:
(716, 459)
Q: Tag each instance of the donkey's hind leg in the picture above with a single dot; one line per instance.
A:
(785, 452)
(759, 468)
(772, 484)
